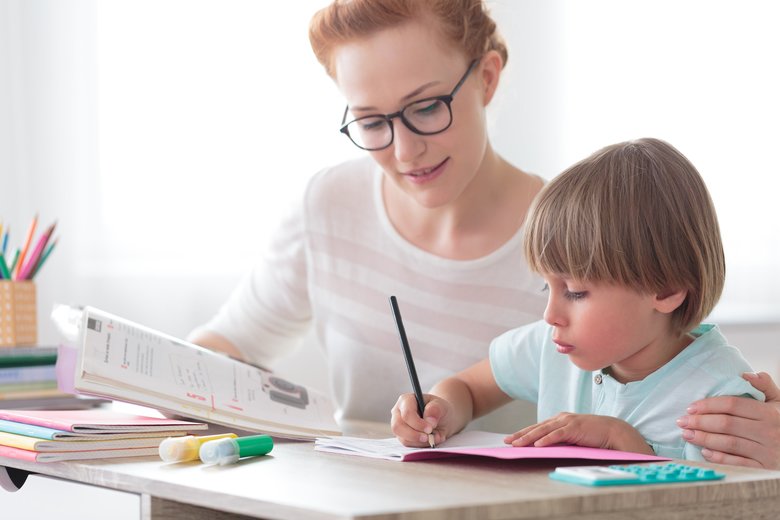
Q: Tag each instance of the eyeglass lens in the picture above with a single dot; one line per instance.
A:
(427, 116)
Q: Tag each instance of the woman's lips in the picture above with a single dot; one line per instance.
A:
(425, 175)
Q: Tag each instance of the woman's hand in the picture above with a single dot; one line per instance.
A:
(737, 430)
(595, 431)
(412, 430)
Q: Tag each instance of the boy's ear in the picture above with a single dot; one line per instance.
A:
(667, 301)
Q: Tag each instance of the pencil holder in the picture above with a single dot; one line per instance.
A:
(18, 320)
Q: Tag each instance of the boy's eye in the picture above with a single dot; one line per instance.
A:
(575, 295)
(546, 288)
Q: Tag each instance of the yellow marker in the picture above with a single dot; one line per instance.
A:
(187, 448)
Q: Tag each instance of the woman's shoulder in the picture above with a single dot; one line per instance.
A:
(355, 175)
(345, 187)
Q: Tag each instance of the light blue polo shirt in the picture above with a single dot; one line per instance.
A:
(526, 365)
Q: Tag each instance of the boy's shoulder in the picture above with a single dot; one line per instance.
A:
(710, 343)
(711, 358)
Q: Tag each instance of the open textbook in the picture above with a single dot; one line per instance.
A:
(469, 443)
(129, 362)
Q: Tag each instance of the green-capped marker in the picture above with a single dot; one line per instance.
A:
(228, 451)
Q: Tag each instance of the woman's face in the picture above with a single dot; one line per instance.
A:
(393, 68)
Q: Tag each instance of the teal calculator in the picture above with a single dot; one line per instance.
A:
(617, 475)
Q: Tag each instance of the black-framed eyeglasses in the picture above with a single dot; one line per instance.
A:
(426, 116)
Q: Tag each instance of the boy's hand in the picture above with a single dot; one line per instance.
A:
(594, 431)
(411, 429)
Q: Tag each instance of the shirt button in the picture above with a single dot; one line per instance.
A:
(597, 379)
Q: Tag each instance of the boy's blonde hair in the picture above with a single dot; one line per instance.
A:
(635, 214)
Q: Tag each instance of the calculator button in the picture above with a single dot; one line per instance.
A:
(634, 474)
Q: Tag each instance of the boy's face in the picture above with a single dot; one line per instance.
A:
(601, 325)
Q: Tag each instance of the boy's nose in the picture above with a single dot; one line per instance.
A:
(553, 315)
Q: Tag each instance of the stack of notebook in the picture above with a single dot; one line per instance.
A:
(57, 435)
(28, 380)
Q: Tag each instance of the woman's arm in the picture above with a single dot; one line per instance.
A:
(214, 341)
(737, 430)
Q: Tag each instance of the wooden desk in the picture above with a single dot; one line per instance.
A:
(295, 482)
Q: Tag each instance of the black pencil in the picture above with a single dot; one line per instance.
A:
(409, 362)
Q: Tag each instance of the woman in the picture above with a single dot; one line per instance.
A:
(432, 215)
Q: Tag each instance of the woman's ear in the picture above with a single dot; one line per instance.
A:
(490, 68)
(668, 301)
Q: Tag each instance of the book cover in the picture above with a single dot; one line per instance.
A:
(30, 393)
(97, 421)
(40, 432)
(470, 443)
(27, 374)
(13, 388)
(108, 442)
(36, 456)
(128, 362)
(27, 356)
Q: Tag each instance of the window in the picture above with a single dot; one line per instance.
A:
(699, 74)
(198, 105)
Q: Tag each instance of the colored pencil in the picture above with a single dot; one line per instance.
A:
(14, 261)
(32, 262)
(5, 240)
(26, 247)
(43, 258)
(4, 268)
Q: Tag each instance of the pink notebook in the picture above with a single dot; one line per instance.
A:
(470, 443)
(98, 421)
(57, 456)
(549, 452)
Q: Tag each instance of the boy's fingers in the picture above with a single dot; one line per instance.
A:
(531, 434)
(433, 412)
(404, 432)
(553, 437)
(407, 409)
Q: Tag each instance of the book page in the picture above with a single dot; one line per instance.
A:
(392, 449)
(473, 443)
(127, 361)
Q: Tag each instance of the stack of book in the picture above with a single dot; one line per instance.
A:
(58, 435)
(28, 380)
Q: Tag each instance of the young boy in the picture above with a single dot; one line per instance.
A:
(628, 243)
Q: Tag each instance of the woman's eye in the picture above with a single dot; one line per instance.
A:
(427, 108)
(372, 124)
